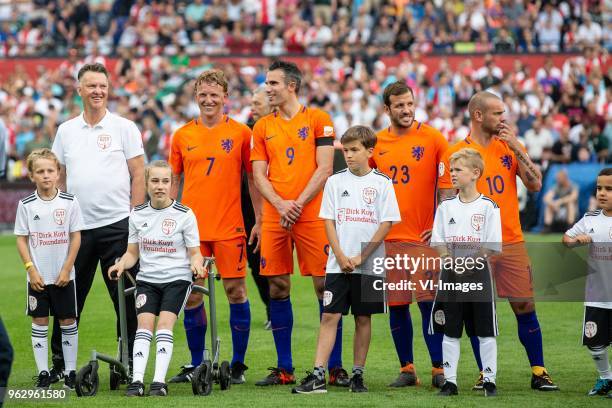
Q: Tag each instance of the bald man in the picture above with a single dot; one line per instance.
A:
(505, 158)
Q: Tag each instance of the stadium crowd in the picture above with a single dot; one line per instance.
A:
(563, 114)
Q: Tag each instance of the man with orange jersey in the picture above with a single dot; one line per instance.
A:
(505, 158)
(409, 152)
(292, 158)
(211, 151)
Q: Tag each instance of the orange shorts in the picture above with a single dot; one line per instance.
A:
(512, 272)
(230, 256)
(420, 270)
(277, 244)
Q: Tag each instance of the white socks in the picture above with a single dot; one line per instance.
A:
(488, 354)
(164, 343)
(40, 347)
(70, 345)
(451, 349)
(600, 358)
(140, 354)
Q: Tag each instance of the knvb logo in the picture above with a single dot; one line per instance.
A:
(227, 145)
(303, 132)
(506, 161)
(418, 152)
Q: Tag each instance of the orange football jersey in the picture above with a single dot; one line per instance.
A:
(411, 161)
(497, 182)
(289, 147)
(212, 160)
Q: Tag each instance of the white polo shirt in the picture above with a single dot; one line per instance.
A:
(96, 165)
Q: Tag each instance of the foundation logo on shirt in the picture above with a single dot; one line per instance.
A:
(369, 195)
(340, 216)
(303, 132)
(506, 161)
(227, 144)
(104, 141)
(478, 221)
(59, 216)
(418, 152)
(168, 226)
(34, 239)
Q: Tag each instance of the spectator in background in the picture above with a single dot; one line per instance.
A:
(273, 45)
(562, 149)
(537, 139)
(589, 32)
(561, 204)
(503, 41)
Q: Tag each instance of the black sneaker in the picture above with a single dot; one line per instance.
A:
(184, 376)
(69, 380)
(543, 382)
(135, 389)
(43, 380)
(158, 389)
(339, 377)
(602, 387)
(490, 390)
(56, 373)
(310, 385)
(238, 370)
(448, 389)
(479, 383)
(356, 384)
(277, 376)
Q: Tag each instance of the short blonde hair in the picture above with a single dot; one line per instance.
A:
(212, 76)
(43, 153)
(470, 158)
(158, 164)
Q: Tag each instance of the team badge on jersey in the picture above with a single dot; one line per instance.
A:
(168, 226)
(340, 216)
(32, 302)
(369, 195)
(418, 152)
(590, 329)
(439, 317)
(303, 132)
(506, 161)
(141, 300)
(59, 216)
(227, 144)
(478, 221)
(104, 141)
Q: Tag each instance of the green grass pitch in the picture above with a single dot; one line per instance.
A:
(568, 362)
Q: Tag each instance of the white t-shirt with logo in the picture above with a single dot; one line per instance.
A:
(48, 224)
(163, 237)
(358, 204)
(599, 281)
(96, 165)
(471, 226)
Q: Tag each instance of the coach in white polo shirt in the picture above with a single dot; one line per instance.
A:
(102, 161)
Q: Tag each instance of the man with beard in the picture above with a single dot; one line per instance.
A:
(505, 158)
(409, 152)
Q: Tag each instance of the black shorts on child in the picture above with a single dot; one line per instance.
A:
(467, 299)
(53, 300)
(597, 327)
(357, 292)
(161, 297)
